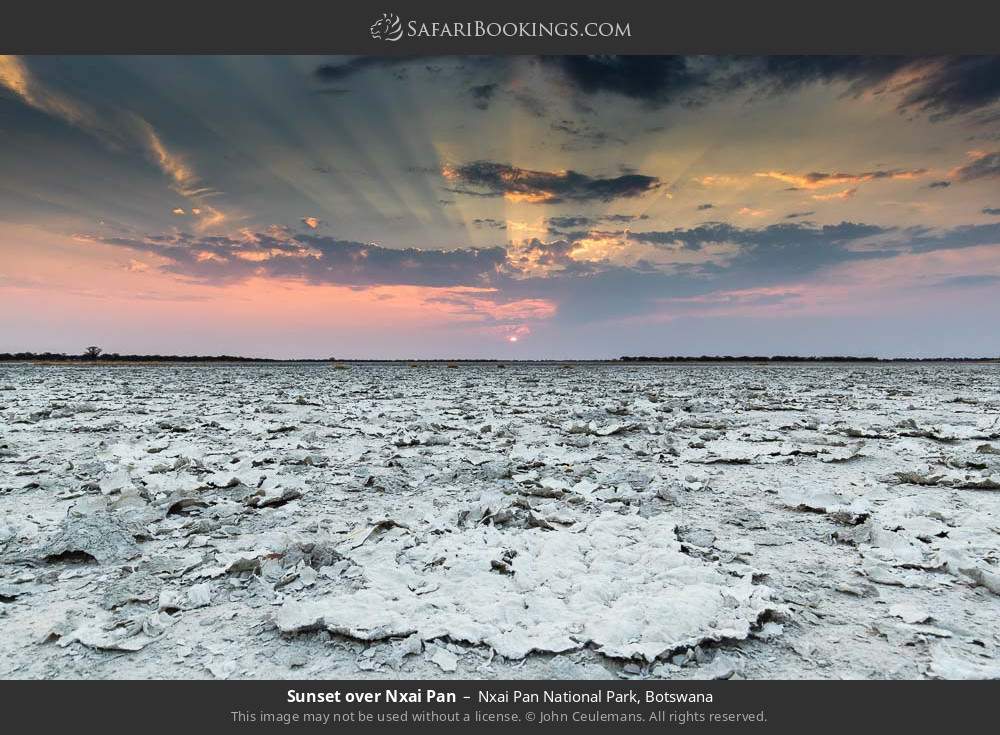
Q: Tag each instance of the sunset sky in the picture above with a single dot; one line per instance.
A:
(510, 207)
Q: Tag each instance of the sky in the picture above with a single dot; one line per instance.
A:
(500, 207)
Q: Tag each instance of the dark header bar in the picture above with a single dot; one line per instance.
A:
(514, 27)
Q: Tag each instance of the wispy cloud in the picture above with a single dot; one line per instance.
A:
(820, 180)
(836, 195)
(16, 77)
(117, 128)
(981, 166)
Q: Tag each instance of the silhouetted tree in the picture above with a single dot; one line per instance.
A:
(93, 352)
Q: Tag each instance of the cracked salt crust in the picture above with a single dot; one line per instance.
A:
(380, 521)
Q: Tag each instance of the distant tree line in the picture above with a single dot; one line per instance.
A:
(799, 358)
(101, 356)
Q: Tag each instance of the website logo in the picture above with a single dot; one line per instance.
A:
(387, 28)
(390, 28)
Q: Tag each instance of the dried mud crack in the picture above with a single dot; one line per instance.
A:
(379, 520)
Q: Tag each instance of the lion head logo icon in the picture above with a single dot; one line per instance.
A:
(387, 28)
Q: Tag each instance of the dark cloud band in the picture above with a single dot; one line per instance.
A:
(487, 178)
(317, 259)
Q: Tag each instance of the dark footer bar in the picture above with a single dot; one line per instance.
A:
(397, 706)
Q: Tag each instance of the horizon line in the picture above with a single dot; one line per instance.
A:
(110, 357)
